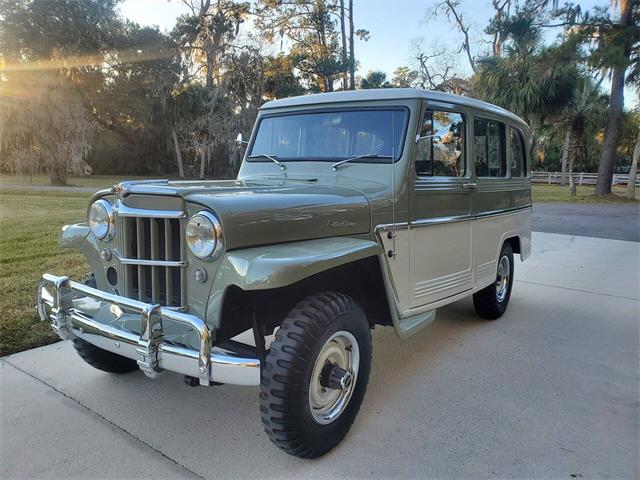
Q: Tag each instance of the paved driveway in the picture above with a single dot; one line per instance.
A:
(548, 391)
(619, 221)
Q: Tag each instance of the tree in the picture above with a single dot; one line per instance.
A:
(375, 79)
(633, 171)
(616, 44)
(280, 80)
(46, 47)
(436, 69)
(404, 77)
(451, 8)
(532, 81)
(310, 26)
(352, 58)
(45, 125)
(206, 38)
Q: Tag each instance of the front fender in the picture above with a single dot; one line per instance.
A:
(78, 237)
(274, 266)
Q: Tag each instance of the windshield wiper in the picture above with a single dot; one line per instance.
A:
(347, 160)
(273, 158)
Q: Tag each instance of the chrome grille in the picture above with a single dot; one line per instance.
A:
(154, 260)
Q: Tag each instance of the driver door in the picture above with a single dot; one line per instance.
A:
(440, 222)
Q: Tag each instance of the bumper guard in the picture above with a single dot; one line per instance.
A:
(153, 354)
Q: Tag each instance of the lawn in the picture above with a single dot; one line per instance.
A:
(30, 222)
(29, 228)
(584, 194)
(92, 181)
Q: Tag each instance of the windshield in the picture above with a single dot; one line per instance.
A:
(331, 135)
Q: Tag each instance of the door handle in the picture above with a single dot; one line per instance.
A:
(470, 186)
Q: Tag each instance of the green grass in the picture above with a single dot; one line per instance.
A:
(29, 229)
(93, 181)
(584, 194)
(30, 222)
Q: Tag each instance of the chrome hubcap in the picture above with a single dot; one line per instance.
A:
(502, 282)
(334, 377)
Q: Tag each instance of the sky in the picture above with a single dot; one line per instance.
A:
(394, 25)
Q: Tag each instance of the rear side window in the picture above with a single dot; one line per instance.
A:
(441, 151)
(517, 154)
(489, 143)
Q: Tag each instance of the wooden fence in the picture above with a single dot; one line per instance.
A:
(582, 178)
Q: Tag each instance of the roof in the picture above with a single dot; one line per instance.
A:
(388, 94)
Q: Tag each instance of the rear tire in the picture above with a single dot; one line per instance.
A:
(491, 302)
(103, 359)
(316, 375)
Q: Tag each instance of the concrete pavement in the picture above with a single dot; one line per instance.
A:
(619, 221)
(550, 390)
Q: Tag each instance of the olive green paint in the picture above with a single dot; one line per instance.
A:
(281, 226)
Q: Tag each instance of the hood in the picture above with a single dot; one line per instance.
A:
(260, 212)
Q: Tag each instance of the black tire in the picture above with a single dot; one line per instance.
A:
(285, 401)
(97, 357)
(103, 359)
(487, 301)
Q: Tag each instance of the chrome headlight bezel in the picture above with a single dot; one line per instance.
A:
(107, 230)
(211, 223)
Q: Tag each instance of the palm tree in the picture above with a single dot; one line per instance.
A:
(577, 118)
(534, 82)
(616, 53)
(375, 79)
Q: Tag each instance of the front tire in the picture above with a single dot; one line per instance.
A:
(103, 359)
(316, 375)
(97, 357)
(491, 302)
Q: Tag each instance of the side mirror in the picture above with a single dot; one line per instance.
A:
(436, 138)
(240, 141)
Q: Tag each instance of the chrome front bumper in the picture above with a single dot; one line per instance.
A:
(153, 354)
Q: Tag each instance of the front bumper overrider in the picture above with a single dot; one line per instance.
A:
(57, 303)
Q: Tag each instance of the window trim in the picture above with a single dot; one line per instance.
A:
(465, 123)
(525, 162)
(507, 170)
(381, 108)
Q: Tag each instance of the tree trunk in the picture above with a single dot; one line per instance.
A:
(565, 156)
(612, 133)
(633, 172)
(572, 157)
(178, 153)
(352, 59)
(57, 172)
(616, 105)
(343, 37)
(203, 160)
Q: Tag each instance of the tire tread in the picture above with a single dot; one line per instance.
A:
(284, 371)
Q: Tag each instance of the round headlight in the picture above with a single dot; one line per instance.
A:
(204, 235)
(101, 220)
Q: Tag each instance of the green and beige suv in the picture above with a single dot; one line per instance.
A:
(350, 210)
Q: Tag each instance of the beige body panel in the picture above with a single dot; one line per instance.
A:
(489, 233)
(442, 262)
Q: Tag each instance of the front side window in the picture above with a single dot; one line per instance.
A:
(440, 151)
(331, 135)
(517, 154)
(489, 146)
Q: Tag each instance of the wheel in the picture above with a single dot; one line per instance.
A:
(103, 359)
(316, 374)
(491, 302)
(97, 357)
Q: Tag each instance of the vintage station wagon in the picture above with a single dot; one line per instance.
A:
(350, 210)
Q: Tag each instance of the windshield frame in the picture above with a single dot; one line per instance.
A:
(290, 113)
